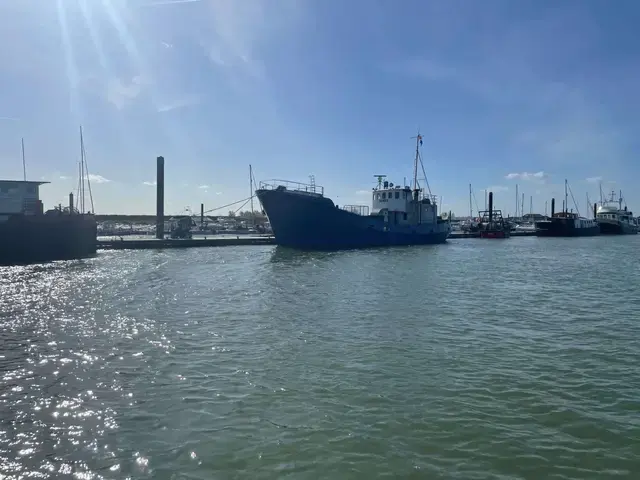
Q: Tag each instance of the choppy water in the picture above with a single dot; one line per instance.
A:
(476, 359)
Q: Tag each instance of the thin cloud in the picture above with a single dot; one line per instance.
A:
(64, 177)
(363, 192)
(497, 188)
(241, 29)
(168, 2)
(121, 94)
(203, 187)
(151, 184)
(185, 101)
(594, 179)
(94, 178)
(531, 177)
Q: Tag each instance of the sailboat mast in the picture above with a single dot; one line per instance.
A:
(566, 209)
(470, 204)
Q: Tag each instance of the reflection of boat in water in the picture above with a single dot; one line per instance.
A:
(615, 220)
(492, 224)
(566, 224)
(302, 217)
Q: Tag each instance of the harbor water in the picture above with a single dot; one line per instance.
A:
(477, 359)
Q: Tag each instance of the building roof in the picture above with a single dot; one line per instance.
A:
(23, 181)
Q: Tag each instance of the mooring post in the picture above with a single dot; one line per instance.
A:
(160, 199)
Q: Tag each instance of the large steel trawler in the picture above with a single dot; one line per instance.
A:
(302, 217)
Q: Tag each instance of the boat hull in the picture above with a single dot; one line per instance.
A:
(617, 228)
(565, 229)
(28, 239)
(494, 234)
(314, 222)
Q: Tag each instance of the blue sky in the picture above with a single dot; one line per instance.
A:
(504, 93)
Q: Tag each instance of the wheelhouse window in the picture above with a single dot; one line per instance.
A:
(397, 194)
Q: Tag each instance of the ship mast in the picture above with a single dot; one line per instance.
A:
(415, 163)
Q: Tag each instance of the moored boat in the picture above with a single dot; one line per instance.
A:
(492, 224)
(565, 223)
(613, 219)
(301, 216)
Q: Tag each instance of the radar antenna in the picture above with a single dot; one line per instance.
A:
(380, 179)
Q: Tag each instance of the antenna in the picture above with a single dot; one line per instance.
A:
(380, 178)
(24, 164)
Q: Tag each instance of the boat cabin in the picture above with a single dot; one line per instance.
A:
(578, 221)
(20, 197)
(607, 212)
(403, 205)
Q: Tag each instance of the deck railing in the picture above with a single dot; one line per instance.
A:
(290, 185)
(357, 209)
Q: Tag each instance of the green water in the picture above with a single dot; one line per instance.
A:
(479, 359)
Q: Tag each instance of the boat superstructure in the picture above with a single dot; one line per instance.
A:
(301, 216)
(492, 224)
(614, 219)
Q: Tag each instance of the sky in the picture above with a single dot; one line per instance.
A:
(504, 93)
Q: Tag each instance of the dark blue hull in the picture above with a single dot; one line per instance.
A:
(314, 222)
(27, 239)
(618, 228)
(564, 229)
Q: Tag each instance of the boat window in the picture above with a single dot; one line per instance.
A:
(404, 215)
(397, 194)
(377, 196)
(384, 195)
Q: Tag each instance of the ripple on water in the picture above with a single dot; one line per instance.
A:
(266, 363)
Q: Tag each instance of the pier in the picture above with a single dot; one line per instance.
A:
(513, 233)
(160, 244)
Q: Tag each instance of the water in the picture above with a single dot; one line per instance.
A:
(476, 359)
